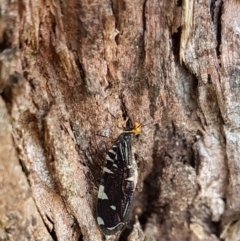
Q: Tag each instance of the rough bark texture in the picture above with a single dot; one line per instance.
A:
(72, 73)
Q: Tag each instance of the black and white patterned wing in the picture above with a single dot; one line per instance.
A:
(116, 190)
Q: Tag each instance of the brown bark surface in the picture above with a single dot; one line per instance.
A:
(73, 72)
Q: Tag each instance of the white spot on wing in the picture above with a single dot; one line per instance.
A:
(108, 158)
(112, 151)
(100, 221)
(112, 228)
(113, 207)
(107, 170)
(101, 194)
(130, 179)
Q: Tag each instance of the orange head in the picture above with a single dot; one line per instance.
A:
(137, 127)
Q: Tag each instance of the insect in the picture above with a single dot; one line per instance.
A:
(116, 190)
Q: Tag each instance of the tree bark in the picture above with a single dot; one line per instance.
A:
(74, 72)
